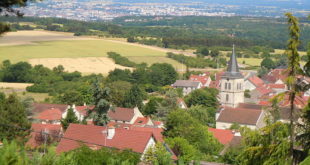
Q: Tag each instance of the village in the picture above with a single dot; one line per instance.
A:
(245, 101)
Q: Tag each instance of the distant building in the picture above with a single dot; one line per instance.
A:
(187, 85)
(252, 83)
(204, 79)
(49, 116)
(232, 82)
(246, 115)
(124, 115)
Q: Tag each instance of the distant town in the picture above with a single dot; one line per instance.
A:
(88, 10)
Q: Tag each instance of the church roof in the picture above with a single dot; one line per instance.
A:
(232, 71)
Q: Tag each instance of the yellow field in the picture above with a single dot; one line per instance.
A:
(250, 61)
(84, 54)
(85, 65)
(21, 86)
(20, 90)
(281, 51)
(152, 60)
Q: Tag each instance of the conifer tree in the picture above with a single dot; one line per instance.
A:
(70, 118)
(293, 70)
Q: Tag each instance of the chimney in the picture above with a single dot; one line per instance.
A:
(111, 132)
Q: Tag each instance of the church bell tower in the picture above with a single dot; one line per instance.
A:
(232, 81)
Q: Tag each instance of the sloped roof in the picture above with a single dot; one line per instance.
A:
(256, 81)
(263, 90)
(121, 114)
(94, 137)
(186, 83)
(222, 135)
(250, 106)
(239, 115)
(83, 109)
(32, 142)
(142, 121)
(276, 86)
(200, 78)
(274, 75)
(233, 68)
(40, 107)
(50, 114)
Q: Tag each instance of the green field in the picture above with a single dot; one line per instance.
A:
(72, 49)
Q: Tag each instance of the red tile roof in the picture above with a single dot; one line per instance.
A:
(94, 137)
(216, 82)
(223, 136)
(275, 75)
(200, 78)
(40, 107)
(157, 132)
(239, 115)
(121, 114)
(256, 81)
(50, 114)
(276, 86)
(299, 102)
(32, 142)
(84, 109)
(263, 90)
(142, 121)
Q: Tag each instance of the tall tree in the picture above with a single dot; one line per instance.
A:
(70, 118)
(162, 74)
(102, 105)
(134, 97)
(293, 70)
(13, 119)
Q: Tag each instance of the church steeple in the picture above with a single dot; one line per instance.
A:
(232, 91)
(233, 69)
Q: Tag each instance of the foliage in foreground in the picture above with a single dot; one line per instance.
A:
(14, 154)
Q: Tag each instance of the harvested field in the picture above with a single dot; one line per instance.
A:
(20, 86)
(151, 60)
(31, 37)
(85, 65)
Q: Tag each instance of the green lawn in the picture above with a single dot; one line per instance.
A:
(38, 97)
(72, 49)
(151, 60)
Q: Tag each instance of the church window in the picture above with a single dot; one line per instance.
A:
(229, 86)
(227, 97)
(225, 85)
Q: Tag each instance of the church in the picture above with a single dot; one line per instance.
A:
(233, 110)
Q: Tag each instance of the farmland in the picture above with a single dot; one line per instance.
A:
(84, 54)
(20, 90)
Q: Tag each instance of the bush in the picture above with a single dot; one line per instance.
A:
(118, 59)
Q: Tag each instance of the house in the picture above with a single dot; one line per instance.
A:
(222, 135)
(50, 116)
(204, 79)
(80, 111)
(96, 137)
(40, 107)
(253, 82)
(187, 85)
(275, 76)
(181, 103)
(37, 135)
(125, 115)
(217, 82)
(246, 115)
(259, 93)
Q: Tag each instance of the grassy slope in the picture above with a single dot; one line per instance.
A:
(152, 60)
(72, 49)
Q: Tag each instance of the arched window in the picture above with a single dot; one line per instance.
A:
(229, 86)
(227, 97)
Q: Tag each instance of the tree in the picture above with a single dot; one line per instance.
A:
(206, 115)
(205, 97)
(293, 70)
(215, 53)
(13, 119)
(203, 51)
(118, 89)
(162, 74)
(168, 104)
(269, 145)
(134, 97)
(10, 7)
(180, 124)
(150, 108)
(304, 126)
(158, 155)
(102, 105)
(267, 63)
(183, 149)
(70, 118)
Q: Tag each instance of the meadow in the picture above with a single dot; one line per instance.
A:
(84, 54)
